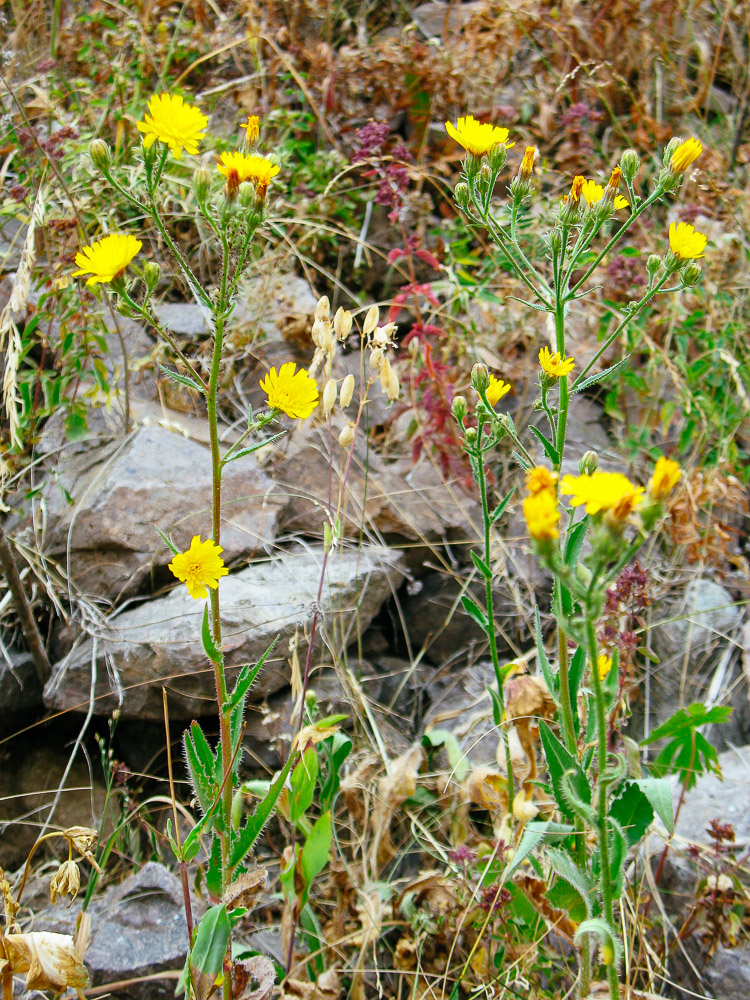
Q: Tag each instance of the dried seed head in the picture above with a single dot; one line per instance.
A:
(347, 434)
(371, 320)
(323, 308)
(383, 335)
(82, 838)
(65, 882)
(329, 396)
(376, 358)
(389, 381)
(347, 391)
(342, 323)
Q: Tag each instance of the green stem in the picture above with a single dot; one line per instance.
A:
(605, 885)
(482, 482)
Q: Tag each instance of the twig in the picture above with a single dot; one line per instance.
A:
(28, 622)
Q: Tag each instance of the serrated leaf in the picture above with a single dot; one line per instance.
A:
(474, 612)
(250, 832)
(209, 647)
(534, 834)
(521, 460)
(549, 449)
(201, 763)
(566, 868)
(633, 812)
(658, 791)
(498, 512)
(481, 565)
(246, 677)
(233, 456)
(593, 379)
(560, 762)
(183, 379)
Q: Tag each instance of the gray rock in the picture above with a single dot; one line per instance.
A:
(20, 688)
(460, 703)
(438, 16)
(159, 642)
(268, 304)
(137, 929)
(187, 319)
(122, 492)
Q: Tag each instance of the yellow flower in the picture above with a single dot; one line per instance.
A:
(200, 567)
(527, 163)
(593, 193)
(252, 128)
(576, 189)
(685, 154)
(603, 491)
(540, 479)
(666, 476)
(173, 122)
(107, 258)
(554, 365)
(685, 243)
(238, 167)
(603, 665)
(541, 514)
(477, 137)
(496, 390)
(294, 394)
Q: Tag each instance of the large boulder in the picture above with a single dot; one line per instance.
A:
(105, 505)
(159, 643)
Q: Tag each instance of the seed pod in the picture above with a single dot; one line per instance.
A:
(342, 323)
(371, 320)
(323, 308)
(329, 396)
(347, 434)
(376, 358)
(347, 391)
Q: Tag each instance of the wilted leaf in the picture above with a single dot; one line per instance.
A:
(50, 961)
(246, 889)
(253, 978)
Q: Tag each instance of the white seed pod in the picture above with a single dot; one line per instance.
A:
(347, 391)
(342, 323)
(383, 336)
(371, 320)
(323, 308)
(317, 330)
(376, 358)
(347, 434)
(393, 388)
(329, 396)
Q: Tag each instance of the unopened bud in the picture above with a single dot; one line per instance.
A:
(342, 323)
(471, 435)
(670, 148)
(458, 408)
(480, 377)
(347, 434)
(100, 155)
(151, 273)
(588, 463)
(329, 396)
(371, 320)
(201, 183)
(246, 195)
(347, 391)
(472, 164)
(691, 274)
(497, 156)
(630, 164)
(323, 308)
(462, 194)
(485, 173)
(653, 263)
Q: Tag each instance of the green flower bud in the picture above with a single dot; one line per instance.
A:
(201, 183)
(480, 377)
(485, 174)
(151, 274)
(462, 195)
(630, 164)
(497, 156)
(246, 195)
(653, 263)
(588, 463)
(471, 165)
(458, 408)
(100, 155)
(670, 148)
(471, 435)
(691, 274)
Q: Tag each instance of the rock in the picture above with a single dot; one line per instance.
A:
(159, 642)
(20, 689)
(137, 929)
(187, 319)
(270, 302)
(460, 703)
(28, 789)
(122, 492)
(437, 17)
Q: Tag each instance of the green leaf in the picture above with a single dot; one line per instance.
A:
(575, 542)
(658, 791)
(576, 671)
(314, 856)
(498, 512)
(688, 753)
(593, 379)
(212, 652)
(560, 762)
(456, 757)
(247, 836)
(338, 748)
(302, 784)
(474, 612)
(183, 380)
(688, 719)
(600, 929)
(566, 868)
(201, 763)
(633, 812)
(168, 542)
(481, 565)
(521, 460)
(246, 677)
(534, 834)
(206, 958)
(549, 449)
(541, 657)
(233, 456)
(618, 850)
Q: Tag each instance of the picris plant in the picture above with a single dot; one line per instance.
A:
(232, 202)
(604, 804)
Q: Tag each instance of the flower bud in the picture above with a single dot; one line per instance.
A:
(100, 155)
(497, 156)
(462, 195)
(323, 308)
(342, 323)
(201, 183)
(151, 273)
(329, 396)
(485, 174)
(347, 434)
(246, 195)
(472, 164)
(653, 263)
(347, 391)
(480, 377)
(471, 435)
(670, 148)
(691, 274)
(458, 408)
(630, 164)
(588, 463)
(371, 320)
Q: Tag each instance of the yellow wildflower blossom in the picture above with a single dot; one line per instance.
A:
(603, 491)
(252, 128)
(199, 567)
(593, 193)
(496, 390)
(477, 137)
(173, 122)
(239, 167)
(603, 665)
(107, 258)
(294, 393)
(666, 476)
(527, 163)
(541, 515)
(554, 365)
(539, 479)
(685, 154)
(685, 243)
